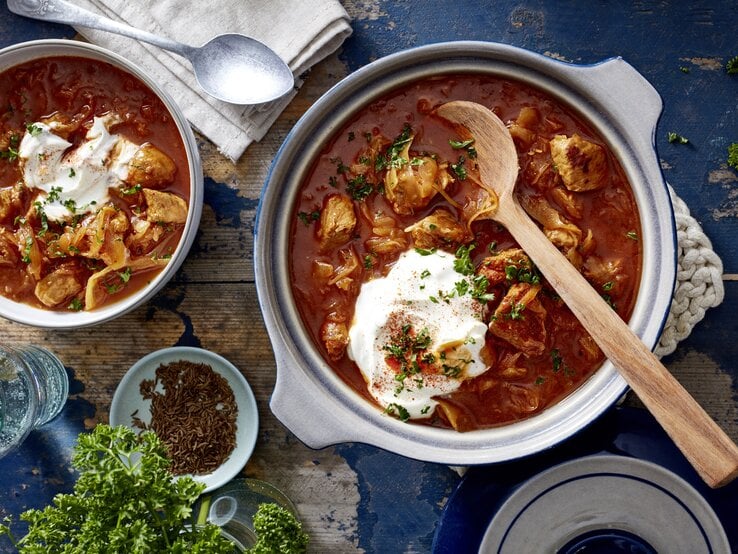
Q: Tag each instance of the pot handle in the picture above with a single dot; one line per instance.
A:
(634, 103)
(306, 410)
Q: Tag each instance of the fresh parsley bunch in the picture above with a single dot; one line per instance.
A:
(125, 500)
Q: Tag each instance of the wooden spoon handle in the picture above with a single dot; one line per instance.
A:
(710, 451)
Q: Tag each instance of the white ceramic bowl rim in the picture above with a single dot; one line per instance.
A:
(310, 399)
(29, 315)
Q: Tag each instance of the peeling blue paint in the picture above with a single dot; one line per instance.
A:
(227, 203)
(398, 514)
(170, 300)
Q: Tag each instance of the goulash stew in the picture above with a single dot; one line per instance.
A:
(416, 297)
(94, 186)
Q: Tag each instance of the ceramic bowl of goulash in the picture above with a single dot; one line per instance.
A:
(401, 314)
(100, 185)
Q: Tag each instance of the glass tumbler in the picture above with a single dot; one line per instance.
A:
(33, 389)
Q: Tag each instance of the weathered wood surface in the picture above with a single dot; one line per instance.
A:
(354, 497)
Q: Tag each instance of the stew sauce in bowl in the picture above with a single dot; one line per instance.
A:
(394, 190)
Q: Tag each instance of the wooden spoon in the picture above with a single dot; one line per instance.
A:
(710, 451)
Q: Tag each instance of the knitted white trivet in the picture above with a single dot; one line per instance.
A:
(699, 283)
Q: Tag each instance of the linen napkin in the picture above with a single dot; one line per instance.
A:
(301, 32)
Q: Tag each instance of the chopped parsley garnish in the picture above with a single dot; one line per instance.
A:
(425, 251)
(391, 158)
(368, 136)
(131, 190)
(125, 275)
(54, 194)
(11, 154)
(75, 305)
(452, 371)
(27, 250)
(458, 145)
(479, 289)
(459, 169)
(466, 145)
(540, 380)
(731, 66)
(556, 360)
(341, 168)
(516, 311)
(306, 217)
(33, 129)
(673, 137)
(632, 235)
(368, 264)
(425, 410)
(608, 286)
(70, 205)
(400, 412)
(72, 173)
(608, 300)
(351, 136)
(425, 274)
(523, 274)
(359, 188)
(44, 220)
(463, 263)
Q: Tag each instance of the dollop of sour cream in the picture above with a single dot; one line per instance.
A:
(75, 181)
(417, 333)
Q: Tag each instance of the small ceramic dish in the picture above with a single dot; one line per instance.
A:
(605, 503)
(232, 507)
(128, 400)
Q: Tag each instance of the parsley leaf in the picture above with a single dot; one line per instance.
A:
(673, 137)
(359, 188)
(733, 155)
(732, 66)
(125, 500)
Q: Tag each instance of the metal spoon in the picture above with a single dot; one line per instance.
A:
(710, 451)
(231, 67)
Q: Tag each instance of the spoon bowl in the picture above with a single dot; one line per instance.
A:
(233, 68)
(710, 451)
(240, 70)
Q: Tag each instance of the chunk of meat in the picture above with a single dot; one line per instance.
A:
(8, 249)
(506, 266)
(146, 235)
(581, 164)
(520, 319)
(164, 207)
(607, 275)
(412, 182)
(335, 337)
(337, 222)
(559, 230)
(11, 202)
(150, 167)
(439, 229)
(365, 162)
(58, 286)
(386, 236)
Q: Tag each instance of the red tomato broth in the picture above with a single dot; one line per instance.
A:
(81, 88)
(610, 213)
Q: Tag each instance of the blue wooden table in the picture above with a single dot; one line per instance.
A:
(354, 497)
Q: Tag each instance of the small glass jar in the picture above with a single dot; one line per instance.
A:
(33, 390)
(232, 508)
